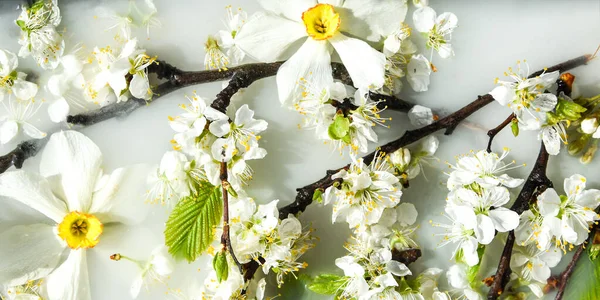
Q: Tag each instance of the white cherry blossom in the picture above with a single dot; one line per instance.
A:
(485, 169)
(437, 28)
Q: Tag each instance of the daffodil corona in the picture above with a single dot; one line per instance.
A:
(80, 230)
(321, 21)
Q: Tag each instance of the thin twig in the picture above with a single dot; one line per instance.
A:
(566, 274)
(493, 132)
(304, 194)
(225, 236)
(536, 183)
(22, 152)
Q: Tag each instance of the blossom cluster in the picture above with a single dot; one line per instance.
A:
(367, 197)
(305, 81)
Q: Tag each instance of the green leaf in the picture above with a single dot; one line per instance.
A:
(220, 265)
(21, 24)
(190, 227)
(514, 126)
(318, 195)
(583, 284)
(339, 128)
(327, 284)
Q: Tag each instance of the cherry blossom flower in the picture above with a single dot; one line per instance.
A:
(13, 82)
(438, 29)
(485, 169)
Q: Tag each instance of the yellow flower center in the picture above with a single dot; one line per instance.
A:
(321, 21)
(80, 230)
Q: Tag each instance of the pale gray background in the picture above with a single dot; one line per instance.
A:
(492, 36)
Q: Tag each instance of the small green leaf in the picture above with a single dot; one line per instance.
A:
(339, 128)
(21, 24)
(514, 126)
(220, 265)
(327, 284)
(318, 195)
(190, 227)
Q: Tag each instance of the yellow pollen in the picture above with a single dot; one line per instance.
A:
(80, 230)
(321, 21)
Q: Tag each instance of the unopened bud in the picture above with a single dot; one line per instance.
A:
(116, 257)
(578, 144)
(589, 154)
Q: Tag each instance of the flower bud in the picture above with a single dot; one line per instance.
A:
(589, 125)
(579, 144)
(400, 159)
(589, 154)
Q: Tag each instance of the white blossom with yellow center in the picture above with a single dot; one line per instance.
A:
(73, 192)
(266, 36)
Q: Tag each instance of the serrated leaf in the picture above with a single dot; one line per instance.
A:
(190, 227)
(327, 284)
(583, 284)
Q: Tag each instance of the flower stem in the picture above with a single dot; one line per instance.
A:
(225, 236)
(493, 132)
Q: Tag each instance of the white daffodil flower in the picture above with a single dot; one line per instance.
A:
(484, 210)
(485, 169)
(67, 87)
(39, 37)
(323, 24)
(457, 278)
(418, 71)
(170, 182)
(569, 217)
(19, 112)
(527, 97)
(590, 126)
(73, 192)
(364, 193)
(532, 263)
(460, 231)
(13, 82)
(234, 23)
(437, 28)
(157, 269)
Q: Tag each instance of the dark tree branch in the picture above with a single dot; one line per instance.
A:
(22, 152)
(536, 183)
(493, 132)
(225, 236)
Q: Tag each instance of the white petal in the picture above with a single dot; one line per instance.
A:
(8, 130)
(504, 219)
(265, 36)
(219, 128)
(32, 131)
(70, 281)
(589, 125)
(545, 102)
(139, 87)
(406, 213)
(420, 116)
(136, 286)
(34, 191)
(549, 202)
(58, 110)
(445, 50)
(540, 273)
(312, 62)
(589, 198)
(485, 229)
(551, 140)
(121, 199)
(369, 20)
(575, 184)
(424, 19)
(28, 253)
(398, 268)
(24, 90)
(8, 62)
(418, 71)
(77, 160)
(291, 9)
(446, 22)
(503, 94)
(365, 65)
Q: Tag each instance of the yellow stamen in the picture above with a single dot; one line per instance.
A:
(321, 21)
(80, 230)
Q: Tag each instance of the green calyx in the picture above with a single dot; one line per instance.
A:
(340, 129)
